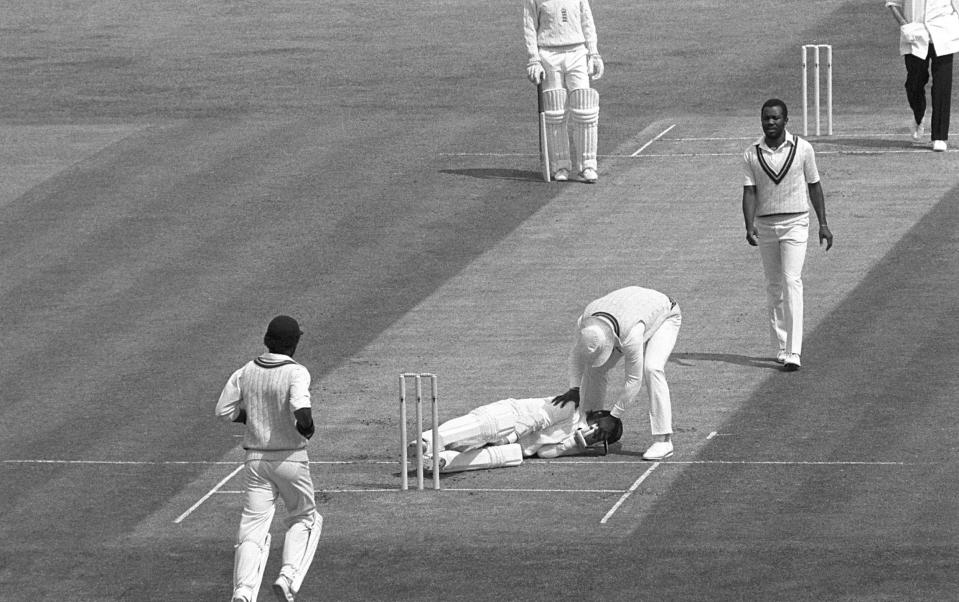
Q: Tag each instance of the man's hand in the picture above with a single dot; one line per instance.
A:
(752, 236)
(594, 66)
(571, 396)
(535, 72)
(825, 235)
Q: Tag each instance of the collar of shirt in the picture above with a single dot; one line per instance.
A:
(789, 139)
(275, 358)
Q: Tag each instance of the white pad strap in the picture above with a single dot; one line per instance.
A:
(493, 456)
(303, 565)
(584, 115)
(554, 107)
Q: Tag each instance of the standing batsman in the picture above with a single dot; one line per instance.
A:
(641, 326)
(271, 396)
(561, 45)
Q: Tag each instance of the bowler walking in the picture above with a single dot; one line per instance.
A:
(781, 181)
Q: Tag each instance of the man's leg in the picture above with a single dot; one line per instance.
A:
(941, 96)
(491, 456)
(793, 245)
(658, 349)
(584, 115)
(253, 536)
(917, 76)
(771, 254)
(304, 526)
(490, 423)
(554, 107)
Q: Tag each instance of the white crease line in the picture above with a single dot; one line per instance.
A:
(864, 151)
(657, 137)
(534, 461)
(451, 489)
(208, 494)
(175, 462)
(628, 493)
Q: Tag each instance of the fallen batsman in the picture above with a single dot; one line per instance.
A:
(502, 433)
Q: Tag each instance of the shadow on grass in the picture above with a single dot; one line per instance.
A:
(489, 173)
(893, 142)
(729, 358)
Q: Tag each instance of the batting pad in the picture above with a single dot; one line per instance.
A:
(584, 115)
(554, 108)
(251, 559)
(493, 456)
(306, 559)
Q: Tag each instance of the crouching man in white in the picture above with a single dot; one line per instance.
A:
(641, 326)
(271, 396)
(502, 433)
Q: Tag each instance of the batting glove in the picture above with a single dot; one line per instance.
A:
(534, 71)
(594, 66)
(571, 396)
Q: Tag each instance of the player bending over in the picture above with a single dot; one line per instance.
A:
(502, 433)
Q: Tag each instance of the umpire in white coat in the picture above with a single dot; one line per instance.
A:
(928, 37)
(641, 326)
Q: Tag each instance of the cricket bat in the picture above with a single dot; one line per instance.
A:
(543, 142)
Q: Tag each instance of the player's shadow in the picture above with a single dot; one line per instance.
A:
(683, 359)
(867, 145)
(496, 173)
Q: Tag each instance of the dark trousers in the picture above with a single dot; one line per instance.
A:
(917, 76)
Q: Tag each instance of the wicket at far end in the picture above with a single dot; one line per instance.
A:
(816, 49)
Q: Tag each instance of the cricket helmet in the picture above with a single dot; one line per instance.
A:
(610, 427)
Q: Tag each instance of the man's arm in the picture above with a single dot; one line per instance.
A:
(300, 401)
(230, 404)
(633, 367)
(749, 214)
(818, 201)
(897, 14)
(304, 422)
(576, 369)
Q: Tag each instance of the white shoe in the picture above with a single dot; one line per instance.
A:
(659, 451)
(561, 175)
(588, 175)
(781, 356)
(792, 363)
(282, 589)
(918, 129)
(939, 145)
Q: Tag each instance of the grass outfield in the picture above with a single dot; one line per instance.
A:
(173, 174)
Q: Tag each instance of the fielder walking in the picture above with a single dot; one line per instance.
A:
(781, 180)
(271, 396)
(641, 326)
(561, 46)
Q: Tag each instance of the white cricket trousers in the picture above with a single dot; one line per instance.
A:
(565, 67)
(782, 245)
(656, 353)
(265, 479)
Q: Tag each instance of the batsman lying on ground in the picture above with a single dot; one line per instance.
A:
(502, 433)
